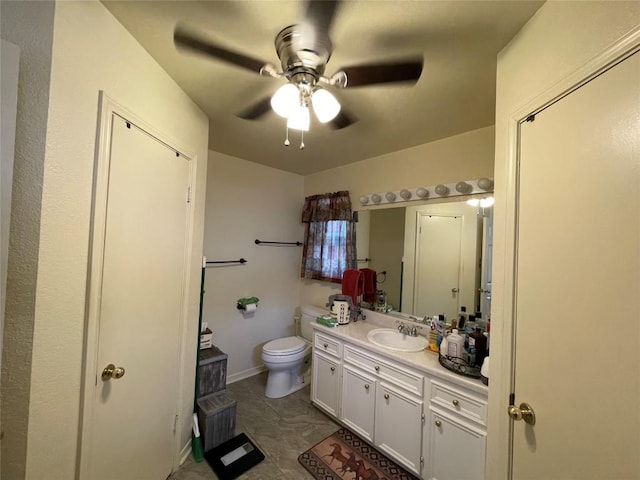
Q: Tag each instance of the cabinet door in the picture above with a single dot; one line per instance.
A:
(455, 451)
(358, 401)
(398, 423)
(325, 384)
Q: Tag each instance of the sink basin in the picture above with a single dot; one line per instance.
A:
(394, 340)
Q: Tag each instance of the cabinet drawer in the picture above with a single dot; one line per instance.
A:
(327, 344)
(401, 377)
(454, 400)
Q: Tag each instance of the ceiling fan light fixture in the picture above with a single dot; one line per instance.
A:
(299, 119)
(286, 100)
(325, 105)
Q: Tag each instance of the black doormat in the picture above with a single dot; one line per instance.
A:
(234, 457)
(343, 454)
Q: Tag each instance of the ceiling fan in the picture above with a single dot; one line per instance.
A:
(304, 49)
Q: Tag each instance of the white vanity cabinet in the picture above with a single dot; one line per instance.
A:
(393, 403)
(455, 433)
(326, 373)
(433, 427)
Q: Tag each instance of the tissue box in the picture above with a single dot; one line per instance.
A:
(206, 339)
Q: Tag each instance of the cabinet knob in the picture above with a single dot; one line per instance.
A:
(326, 345)
(438, 423)
(377, 368)
(456, 403)
(366, 386)
(333, 369)
(386, 396)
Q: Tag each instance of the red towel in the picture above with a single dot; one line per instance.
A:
(352, 284)
(368, 285)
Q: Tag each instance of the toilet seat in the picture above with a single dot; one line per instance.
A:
(284, 346)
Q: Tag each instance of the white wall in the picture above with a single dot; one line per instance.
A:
(30, 26)
(560, 38)
(462, 157)
(247, 201)
(91, 52)
(10, 57)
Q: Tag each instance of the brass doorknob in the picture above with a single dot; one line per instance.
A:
(523, 412)
(111, 371)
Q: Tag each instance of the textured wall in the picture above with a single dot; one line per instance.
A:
(91, 52)
(247, 201)
(560, 38)
(31, 122)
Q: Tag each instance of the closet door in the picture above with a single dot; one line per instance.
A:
(140, 307)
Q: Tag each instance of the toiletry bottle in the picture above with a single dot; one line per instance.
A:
(455, 344)
(463, 317)
(444, 345)
(478, 341)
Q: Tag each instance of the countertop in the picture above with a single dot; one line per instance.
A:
(425, 361)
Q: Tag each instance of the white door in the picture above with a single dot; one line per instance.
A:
(358, 402)
(140, 309)
(577, 310)
(456, 450)
(398, 426)
(325, 383)
(438, 250)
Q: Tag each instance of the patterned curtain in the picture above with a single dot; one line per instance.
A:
(329, 237)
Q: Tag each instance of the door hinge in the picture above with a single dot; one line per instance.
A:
(421, 460)
(175, 423)
(188, 194)
(423, 417)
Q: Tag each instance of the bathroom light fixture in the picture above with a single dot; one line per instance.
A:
(294, 101)
(442, 190)
(485, 202)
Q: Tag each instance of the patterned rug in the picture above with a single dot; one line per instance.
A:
(344, 456)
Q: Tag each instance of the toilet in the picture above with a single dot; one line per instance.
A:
(288, 359)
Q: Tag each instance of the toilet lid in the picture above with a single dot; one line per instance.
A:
(285, 345)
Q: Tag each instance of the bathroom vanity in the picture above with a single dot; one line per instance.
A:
(424, 417)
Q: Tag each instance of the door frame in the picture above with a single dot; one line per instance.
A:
(502, 373)
(107, 108)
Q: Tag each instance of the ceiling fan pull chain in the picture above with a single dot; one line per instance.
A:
(301, 139)
(286, 140)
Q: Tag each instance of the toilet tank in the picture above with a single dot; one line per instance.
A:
(309, 314)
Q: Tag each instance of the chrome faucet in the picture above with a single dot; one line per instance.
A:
(406, 330)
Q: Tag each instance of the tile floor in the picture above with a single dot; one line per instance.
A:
(282, 428)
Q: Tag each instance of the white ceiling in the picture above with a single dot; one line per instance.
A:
(459, 41)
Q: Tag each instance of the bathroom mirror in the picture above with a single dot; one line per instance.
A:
(437, 256)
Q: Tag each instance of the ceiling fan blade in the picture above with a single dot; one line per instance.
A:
(342, 120)
(186, 40)
(362, 75)
(321, 13)
(256, 110)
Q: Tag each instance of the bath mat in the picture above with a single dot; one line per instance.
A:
(234, 457)
(342, 455)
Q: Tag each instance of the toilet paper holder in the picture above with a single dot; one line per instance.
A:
(247, 304)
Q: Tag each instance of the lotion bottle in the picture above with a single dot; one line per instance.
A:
(455, 344)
